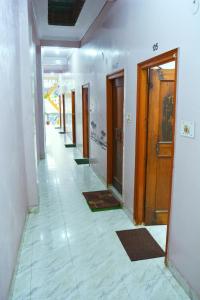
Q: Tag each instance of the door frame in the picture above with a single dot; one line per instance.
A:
(73, 99)
(87, 85)
(109, 78)
(142, 130)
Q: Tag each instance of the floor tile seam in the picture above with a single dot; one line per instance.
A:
(66, 232)
(70, 250)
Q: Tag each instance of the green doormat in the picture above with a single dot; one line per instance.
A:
(82, 161)
(101, 200)
(70, 145)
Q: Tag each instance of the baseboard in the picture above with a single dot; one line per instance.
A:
(42, 156)
(128, 213)
(116, 193)
(185, 285)
(12, 283)
(33, 210)
(101, 178)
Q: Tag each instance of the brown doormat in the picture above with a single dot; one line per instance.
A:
(101, 200)
(139, 244)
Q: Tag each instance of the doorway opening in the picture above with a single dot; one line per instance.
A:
(115, 124)
(156, 107)
(85, 120)
(73, 97)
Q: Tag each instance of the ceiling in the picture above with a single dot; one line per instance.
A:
(64, 12)
(88, 14)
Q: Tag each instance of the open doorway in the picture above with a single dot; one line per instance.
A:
(115, 111)
(85, 120)
(156, 106)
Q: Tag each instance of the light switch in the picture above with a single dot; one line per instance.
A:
(128, 118)
(187, 128)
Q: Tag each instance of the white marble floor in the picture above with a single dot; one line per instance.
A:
(68, 252)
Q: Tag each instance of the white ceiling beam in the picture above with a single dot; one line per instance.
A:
(55, 43)
(96, 22)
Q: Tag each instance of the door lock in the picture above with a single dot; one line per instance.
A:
(157, 148)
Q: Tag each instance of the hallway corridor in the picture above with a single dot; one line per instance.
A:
(68, 252)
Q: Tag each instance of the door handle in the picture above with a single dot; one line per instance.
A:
(157, 148)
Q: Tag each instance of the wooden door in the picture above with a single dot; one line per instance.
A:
(60, 112)
(73, 119)
(161, 109)
(63, 111)
(117, 126)
(85, 117)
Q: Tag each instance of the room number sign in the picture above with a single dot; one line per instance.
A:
(155, 47)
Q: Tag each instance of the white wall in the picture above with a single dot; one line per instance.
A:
(124, 38)
(18, 187)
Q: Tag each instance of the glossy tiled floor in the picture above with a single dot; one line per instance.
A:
(70, 253)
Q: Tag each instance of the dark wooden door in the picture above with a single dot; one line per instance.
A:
(73, 119)
(160, 145)
(85, 117)
(60, 112)
(117, 119)
(63, 111)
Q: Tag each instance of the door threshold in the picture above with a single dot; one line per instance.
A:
(116, 193)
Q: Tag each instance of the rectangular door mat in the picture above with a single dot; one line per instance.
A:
(62, 132)
(139, 244)
(70, 145)
(101, 200)
(82, 161)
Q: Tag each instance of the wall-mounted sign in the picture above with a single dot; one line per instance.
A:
(188, 128)
(155, 47)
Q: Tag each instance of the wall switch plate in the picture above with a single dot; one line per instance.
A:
(187, 128)
(128, 118)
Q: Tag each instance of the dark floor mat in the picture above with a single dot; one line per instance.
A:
(139, 244)
(62, 132)
(101, 200)
(82, 161)
(70, 145)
